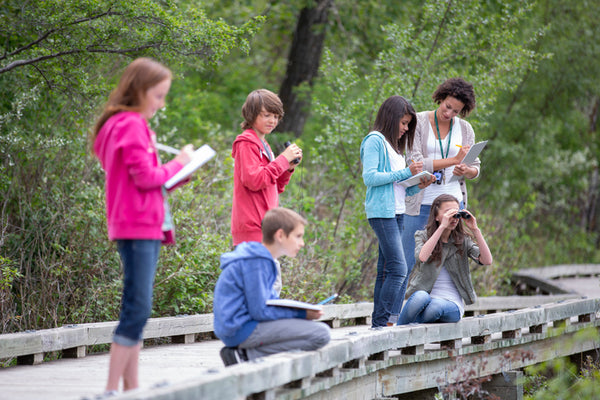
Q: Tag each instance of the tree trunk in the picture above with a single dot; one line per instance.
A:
(303, 65)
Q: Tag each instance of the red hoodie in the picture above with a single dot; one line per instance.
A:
(257, 182)
(125, 146)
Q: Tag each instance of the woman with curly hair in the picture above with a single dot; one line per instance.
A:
(442, 140)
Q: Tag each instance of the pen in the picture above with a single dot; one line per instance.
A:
(327, 300)
(166, 148)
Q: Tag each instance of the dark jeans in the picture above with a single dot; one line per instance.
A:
(412, 223)
(139, 259)
(391, 267)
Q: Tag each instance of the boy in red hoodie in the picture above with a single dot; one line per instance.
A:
(258, 176)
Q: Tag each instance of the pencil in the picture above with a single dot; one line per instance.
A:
(327, 300)
(166, 148)
(458, 145)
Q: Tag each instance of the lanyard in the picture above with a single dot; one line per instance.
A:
(267, 151)
(437, 128)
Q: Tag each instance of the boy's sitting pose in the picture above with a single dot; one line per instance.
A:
(242, 320)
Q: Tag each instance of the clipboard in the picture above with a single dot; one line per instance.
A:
(199, 158)
(471, 156)
(415, 179)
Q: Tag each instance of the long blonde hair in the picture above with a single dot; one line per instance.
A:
(139, 76)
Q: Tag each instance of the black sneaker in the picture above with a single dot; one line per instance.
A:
(232, 355)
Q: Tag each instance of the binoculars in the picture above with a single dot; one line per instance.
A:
(287, 144)
(462, 214)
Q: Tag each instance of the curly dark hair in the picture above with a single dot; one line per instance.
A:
(461, 90)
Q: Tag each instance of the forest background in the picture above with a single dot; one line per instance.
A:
(534, 66)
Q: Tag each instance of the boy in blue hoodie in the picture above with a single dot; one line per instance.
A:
(242, 320)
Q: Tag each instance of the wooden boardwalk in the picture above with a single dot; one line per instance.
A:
(75, 379)
(580, 279)
(175, 364)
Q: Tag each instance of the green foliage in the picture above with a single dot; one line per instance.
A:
(53, 35)
(58, 62)
(544, 148)
(189, 270)
(560, 379)
(447, 39)
(533, 65)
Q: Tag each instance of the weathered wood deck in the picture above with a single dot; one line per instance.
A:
(358, 360)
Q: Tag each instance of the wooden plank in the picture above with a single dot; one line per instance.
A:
(271, 374)
(557, 271)
(503, 303)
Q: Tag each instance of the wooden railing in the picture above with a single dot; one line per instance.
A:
(364, 363)
(73, 341)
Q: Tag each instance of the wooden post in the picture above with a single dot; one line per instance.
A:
(74, 352)
(31, 359)
(184, 339)
(507, 386)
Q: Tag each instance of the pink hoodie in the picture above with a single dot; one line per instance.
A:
(257, 182)
(125, 146)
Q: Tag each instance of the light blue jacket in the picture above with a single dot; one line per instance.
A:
(379, 177)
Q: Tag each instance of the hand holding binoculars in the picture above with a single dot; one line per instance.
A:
(462, 214)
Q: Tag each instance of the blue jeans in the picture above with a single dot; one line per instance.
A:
(412, 223)
(139, 259)
(391, 267)
(422, 308)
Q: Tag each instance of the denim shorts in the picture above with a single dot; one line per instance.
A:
(139, 258)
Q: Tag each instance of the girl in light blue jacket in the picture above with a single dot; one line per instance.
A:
(384, 168)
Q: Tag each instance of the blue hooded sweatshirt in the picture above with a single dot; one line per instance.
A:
(241, 293)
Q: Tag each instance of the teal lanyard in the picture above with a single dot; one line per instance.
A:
(437, 128)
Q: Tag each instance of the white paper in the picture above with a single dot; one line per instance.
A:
(199, 158)
(415, 179)
(293, 304)
(471, 156)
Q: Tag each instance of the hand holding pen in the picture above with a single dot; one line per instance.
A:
(415, 167)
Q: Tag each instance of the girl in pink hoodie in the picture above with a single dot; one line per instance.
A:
(136, 209)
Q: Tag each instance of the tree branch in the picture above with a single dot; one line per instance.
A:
(433, 45)
(20, 63)
(51, 31)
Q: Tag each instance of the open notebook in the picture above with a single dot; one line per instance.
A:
(199, 158)
(293, 304)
